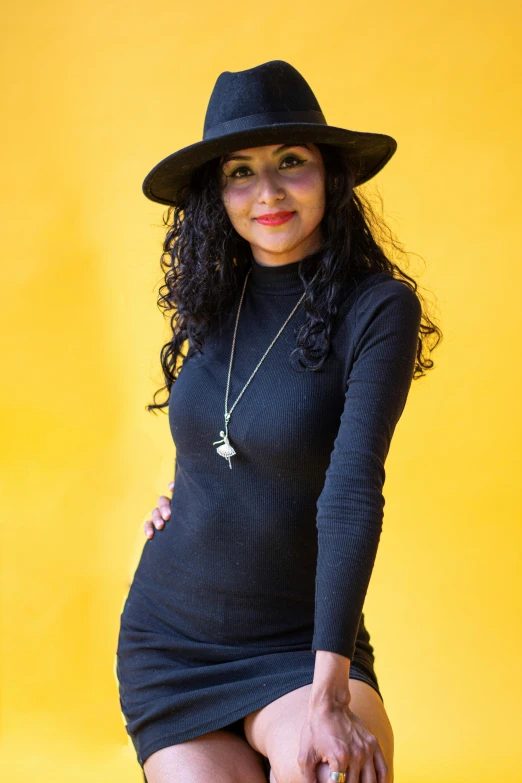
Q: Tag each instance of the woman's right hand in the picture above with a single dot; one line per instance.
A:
(158, 514)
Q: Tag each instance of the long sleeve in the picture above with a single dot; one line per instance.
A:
(350, 508)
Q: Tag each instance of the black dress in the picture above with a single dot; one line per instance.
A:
(263, 564)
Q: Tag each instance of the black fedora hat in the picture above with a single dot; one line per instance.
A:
(267, 104)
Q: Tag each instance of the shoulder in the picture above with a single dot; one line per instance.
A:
(368, 295)
(387, 296)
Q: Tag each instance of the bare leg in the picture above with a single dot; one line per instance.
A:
(275, 730)
(218, 756)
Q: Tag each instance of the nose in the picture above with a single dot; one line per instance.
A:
(270, 189)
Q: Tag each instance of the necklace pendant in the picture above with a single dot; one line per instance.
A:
(226, 450)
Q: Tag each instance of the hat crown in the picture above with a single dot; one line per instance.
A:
(274, 91)
(269, 104)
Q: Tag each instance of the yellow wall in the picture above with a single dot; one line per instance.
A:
(94, 94)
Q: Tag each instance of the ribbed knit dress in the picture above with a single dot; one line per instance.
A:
(263, 564)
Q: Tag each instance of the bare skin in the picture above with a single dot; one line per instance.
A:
(270, 731)
(276, 731)
(158, 515)
(273, 731)
(336, 723)
(218, 756)
(273, 180)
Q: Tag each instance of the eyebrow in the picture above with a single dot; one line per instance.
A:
(230, 156)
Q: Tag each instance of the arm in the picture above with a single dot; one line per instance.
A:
(350, 507)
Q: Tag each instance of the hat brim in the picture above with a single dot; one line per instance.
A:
(371, 150)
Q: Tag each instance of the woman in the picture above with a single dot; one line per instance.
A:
(242, 652)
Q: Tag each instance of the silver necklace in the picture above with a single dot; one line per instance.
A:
(227, 450)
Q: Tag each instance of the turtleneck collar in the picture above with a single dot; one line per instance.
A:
(280, 279)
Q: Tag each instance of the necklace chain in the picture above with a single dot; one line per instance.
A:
(226, 450)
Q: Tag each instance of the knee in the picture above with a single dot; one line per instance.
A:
(291, 773)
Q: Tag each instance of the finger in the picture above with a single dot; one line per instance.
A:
(157, 519)
(171, 485)
(308, 773)
(381, 767)
(324, 775)
(164, 506)
(322, 772)
(148, 528)
(368, 772)
(307, 764)
(354, 770)
(340, 760)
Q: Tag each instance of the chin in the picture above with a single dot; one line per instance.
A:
(280, 248)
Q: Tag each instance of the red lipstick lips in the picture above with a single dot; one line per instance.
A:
(275, 218)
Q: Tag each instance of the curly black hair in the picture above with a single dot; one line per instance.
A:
(205, 261)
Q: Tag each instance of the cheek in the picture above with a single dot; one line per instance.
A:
(309, 188)
(237, 204)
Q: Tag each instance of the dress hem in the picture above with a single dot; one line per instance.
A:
(175, 738)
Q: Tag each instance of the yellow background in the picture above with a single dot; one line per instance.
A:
(94, 95)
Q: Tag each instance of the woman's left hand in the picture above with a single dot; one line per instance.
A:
(337, 740)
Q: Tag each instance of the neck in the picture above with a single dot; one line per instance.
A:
(278, 278)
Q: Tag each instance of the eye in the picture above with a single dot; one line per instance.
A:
(293, 157)
(298, 161)
(233, 173)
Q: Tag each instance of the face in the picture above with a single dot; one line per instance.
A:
(261, 181)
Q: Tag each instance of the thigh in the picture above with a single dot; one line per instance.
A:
(275, 730)
(221, 756)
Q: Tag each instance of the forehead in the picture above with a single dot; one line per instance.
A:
(268, 149)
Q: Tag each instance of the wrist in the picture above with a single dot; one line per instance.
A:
(330, 688)
(330, 700)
